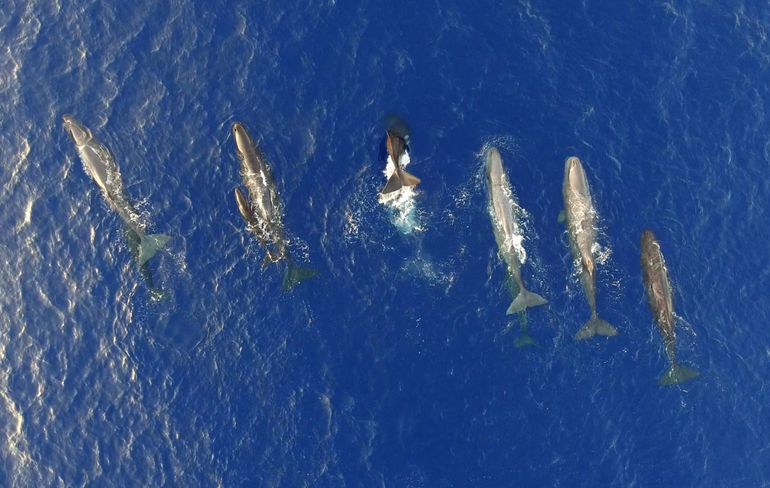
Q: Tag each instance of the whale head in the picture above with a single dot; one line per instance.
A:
(648, 238)
(575, 176)
(79, 133)
(572, 167)
(242, 140)
(494, 165)
(650, 245)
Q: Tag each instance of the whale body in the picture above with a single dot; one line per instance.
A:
(263, 213)
(660, 299)
(580, 218)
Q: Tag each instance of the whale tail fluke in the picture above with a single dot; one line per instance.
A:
(408, 179)
(524, 340)
(149, 245)
(399, 179)
(393, 184)
(596, 326)
(296, 274)
(677, 373)
(525, 299)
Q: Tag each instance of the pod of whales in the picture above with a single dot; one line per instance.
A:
(264, 213)
(659, 297)
(100, 165)
(262, 210)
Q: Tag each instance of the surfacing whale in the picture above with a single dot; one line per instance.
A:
(264, 213)
(508, 235)
(100, 165)
(660, 299)
(580, 217)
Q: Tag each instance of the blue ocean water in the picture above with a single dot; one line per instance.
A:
(396, 366)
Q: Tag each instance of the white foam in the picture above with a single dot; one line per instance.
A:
(402, 201)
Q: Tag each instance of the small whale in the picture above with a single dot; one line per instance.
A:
(244, 206)
(396, 148)
(100, 164)
(659, 296)
(507, 231)
(264, 213)
(580, 217)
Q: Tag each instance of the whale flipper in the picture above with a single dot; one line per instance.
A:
(677, 373)
(524, 300)
(596, 326)
(149, 245)
(296, 274)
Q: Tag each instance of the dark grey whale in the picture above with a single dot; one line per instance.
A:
(264, 213)
(660, 299)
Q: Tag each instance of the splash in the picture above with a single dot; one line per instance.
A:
(435, 274)
(401, 203)
(601, 253)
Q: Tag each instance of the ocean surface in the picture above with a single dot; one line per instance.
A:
(396, 366)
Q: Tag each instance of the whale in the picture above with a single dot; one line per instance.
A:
(507, 231)
(263, 210)
(660, 300)
(579, 216)
(100, 164)
(396, 146)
